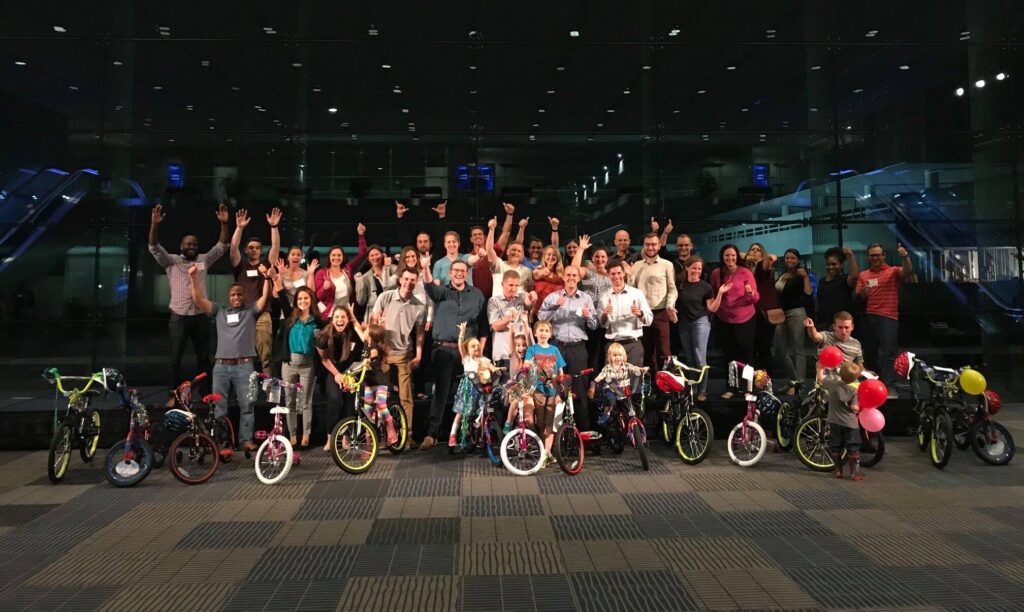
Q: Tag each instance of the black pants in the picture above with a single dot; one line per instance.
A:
(595, 349)
(764, 338)
(575, 355)
(634, 351)
(338, 405)
(445, 364)
(737, 340)
(181, 329)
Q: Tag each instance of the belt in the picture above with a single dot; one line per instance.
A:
(626, 341)
(570, 344)
(234, 361)
(451, 345)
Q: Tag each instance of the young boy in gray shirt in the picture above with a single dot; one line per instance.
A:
(844, 428)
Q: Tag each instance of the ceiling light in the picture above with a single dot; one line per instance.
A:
(904, 67)
(1001, 76)
(158, 87)
(472, 67)
(541, 110)
(19, 63)
(163, 28)
(205, 63)
(317, 90)
(849, 127)
(551, 91)
(379, 168)
(815, 67)
(626, 91)
(814, 109)
(730, 67)
(532, 137)
(673, 32)
(118, 107)
(676, 111)
(979, 83)
(296, 64)
(647, 66)
(170, 140)
(600, 125)
(73, 87)
(270, 30)
(611, 110)
(574, 33)
(331, 110)
(702, 91)
(118, 63)
(372, 30)
(386, 66)
(560, 68)
(235, 88)
(769, 31)
(536, 125)
(60, 29)
(396, 90)
(744, 109)
(189, 107)
(344, 124)
(263, 110)
(212, 119)
(405, 110)
(858, 90)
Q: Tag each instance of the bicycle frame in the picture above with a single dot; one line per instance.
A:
(274, 389)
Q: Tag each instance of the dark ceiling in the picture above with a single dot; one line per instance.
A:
(499, 69)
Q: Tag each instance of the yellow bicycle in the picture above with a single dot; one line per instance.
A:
(80, 426)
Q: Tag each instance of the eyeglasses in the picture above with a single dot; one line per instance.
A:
(458, 271)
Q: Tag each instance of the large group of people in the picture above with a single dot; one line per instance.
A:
(424, 309)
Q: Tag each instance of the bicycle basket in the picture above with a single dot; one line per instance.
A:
(767, 404)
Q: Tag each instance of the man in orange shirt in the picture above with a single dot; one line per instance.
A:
(878, 286)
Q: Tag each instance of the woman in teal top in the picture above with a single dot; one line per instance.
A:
(296, 349)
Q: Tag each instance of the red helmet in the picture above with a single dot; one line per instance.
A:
(995, 403)
(902, 365)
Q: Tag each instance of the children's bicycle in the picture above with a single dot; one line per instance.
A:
(80, 425)
(747, 440)
(812, 435)
(683, 424)
(195, 454)
(219, 428)
(621, 419)
(522, 450)
(129, 461)
(569, 440)
(481, 429)
(274, 457)
(355, 440)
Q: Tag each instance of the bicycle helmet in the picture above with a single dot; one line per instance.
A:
(176, 422)
(995, 403)
(902, 365)
(112, 379)
(669, 382)
(768, 404)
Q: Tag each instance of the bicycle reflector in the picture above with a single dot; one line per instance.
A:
(669, 382)
(995, 403)
(902, 365)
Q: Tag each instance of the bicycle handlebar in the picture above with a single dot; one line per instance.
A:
(277, 381)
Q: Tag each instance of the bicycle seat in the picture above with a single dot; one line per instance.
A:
(278, 410)
(211, 398)
(669, 382)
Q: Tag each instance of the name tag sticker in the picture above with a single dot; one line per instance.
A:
(252, 273)
(200, 265)
(300, 283)
(872, 282)
(233, 318)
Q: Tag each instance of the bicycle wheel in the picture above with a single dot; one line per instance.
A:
(785, 423)
(273, 460)
(129, 464)
(992, 442)
(747, 452)
(639, 441)
(811, 440)
(522, 452)
(354, 445)
(90, 435)
(224, 433)
(693, 436)
(569, 449)
(941, 445)
(492, 439)
(872, 448)
(60, 452)
(924, 426)
(669, 422)
(616, 435)
(194, 457)
(401, 428)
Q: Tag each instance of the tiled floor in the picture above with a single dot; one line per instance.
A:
(426, 531)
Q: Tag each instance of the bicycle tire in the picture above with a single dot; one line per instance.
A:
(924, 426)
(401, 428)
(273, 460)
(522, 456)
(194, 457)
(569, 449)
(694, 436)
(224, 433)
(354, 445)
(129, 473)
(492, 439)
(992, 442)
(940, 448)
(91, 428)
(59, 457)
(616, 436)
(785, 424)
(639, 441)
(811, 441)
(746, 454)
(869, 457)
(669, 423)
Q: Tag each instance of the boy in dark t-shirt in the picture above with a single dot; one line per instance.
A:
(843, 408)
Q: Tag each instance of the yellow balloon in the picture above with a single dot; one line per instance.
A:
(972, 382)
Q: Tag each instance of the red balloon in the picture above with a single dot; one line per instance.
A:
(872, 394)
(872, 420)
(830, 357)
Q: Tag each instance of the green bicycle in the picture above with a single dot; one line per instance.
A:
(80, 426)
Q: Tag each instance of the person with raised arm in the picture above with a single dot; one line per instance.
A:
(248, 274)
(334, 283)
(514, 254)
(878, 286)
(737, 308)
(187, 322)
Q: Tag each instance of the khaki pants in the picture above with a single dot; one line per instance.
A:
(264, 340)
(402, 364)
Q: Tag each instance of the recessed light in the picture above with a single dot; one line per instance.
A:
(1001, 76)
(212, 119)
(600, 125)
(158, 87)
(551, 91)
(118, 107)
(858, 90)
(574, 33)
(647, 66)
(560, 68)
(849, 127)
(379, 168)
(396, 90)
(814, 109)
(744, 109)
(19, 63)
(626, 91)
(536, 125)
(211, 127)
(317, 90)
(296, 64)
(118, 63)
(610, 110)
(730, 67)
(164, 28)
(979, 83)
(205, 63)
(472, 67)
(702, 91)
(405, 110)
(541, 110)
(386, 66)
(189, 107)
(769, 31)
(815, 67)
(73, 87)
(904, 67)
(344, 124)
(235, 88)
(60, 29)
(331, 110)
(270, 30)
(472, 92)
(170, 140)
(676, 111)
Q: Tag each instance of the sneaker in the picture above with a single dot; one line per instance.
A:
(506, 428)
(451, 440)
(428, 443)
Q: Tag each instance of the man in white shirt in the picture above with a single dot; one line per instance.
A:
(514, 252)
(655, 278)
(624, 314)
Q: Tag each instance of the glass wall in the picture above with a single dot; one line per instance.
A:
(797, 124)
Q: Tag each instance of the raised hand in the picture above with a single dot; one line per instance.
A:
(222, 213)
(360, 229)
(585, 311)
(312, 266)
(562, 299)
(441, 209)
(242, 218)
(524, 221)
(400, 209)
(193, 270)
(554, 223)
(157, 215)
(530, 298)
(387, 261)
(847, 251)
(902, 251)
(274, 217)
(510, 209)
(655, 226)
(584, 241)
(425, 261)
(492, 223)
(809, 322)
(801, 272)
(668, 227)
(772, 259)
(281, 264)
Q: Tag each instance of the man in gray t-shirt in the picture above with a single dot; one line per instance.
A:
(236, 331)
(840, 338)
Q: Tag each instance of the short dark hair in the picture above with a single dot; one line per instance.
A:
(651, 235)
(411, 271)
(876, 244)
(615, 264)
(240, 286)
(459, 261)
(837, 253)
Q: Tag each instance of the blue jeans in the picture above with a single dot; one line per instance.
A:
(693, 337)
(228, 377)
(883, 335)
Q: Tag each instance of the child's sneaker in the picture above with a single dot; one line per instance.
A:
(855, 473)
(451, 440)
(837, 462)
(506, 428)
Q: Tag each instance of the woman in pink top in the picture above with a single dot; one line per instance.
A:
(736, 313)
(333, 284)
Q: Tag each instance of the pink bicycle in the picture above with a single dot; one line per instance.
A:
(747, 440)
(274, 457)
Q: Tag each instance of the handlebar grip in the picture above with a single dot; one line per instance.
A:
(587, 372)
(201, 376)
